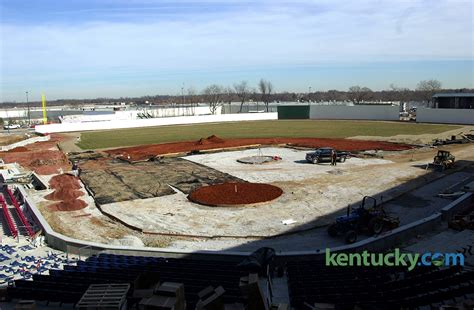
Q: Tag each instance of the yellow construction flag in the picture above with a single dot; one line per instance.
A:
(45, 117)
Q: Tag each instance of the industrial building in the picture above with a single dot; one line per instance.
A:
(454, 101)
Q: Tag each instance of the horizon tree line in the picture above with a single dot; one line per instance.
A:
(215, 95)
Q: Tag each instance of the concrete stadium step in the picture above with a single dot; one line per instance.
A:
(446, 241)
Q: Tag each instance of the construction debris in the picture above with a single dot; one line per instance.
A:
(454, 140)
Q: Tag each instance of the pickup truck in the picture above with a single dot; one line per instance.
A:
(324, 154)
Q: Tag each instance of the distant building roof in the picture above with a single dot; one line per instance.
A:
(440, 95)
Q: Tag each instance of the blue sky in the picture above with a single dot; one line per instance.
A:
(112, 48)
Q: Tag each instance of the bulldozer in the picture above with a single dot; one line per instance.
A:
(443, 160)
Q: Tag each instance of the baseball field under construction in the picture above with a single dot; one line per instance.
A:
(202, 193)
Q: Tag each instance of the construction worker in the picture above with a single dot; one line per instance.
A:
(333, 157)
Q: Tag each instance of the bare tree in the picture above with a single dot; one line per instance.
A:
(398, 93)
(428, 88)
(229, 92)
(192, 99)
(358, 94)
(266, 89)
(191, 95)
(213, 95)
(242, 91)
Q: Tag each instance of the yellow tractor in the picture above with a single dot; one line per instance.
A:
(443, 160)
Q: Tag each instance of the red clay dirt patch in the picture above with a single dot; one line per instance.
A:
(148, 151)
(235, 194)
(18, 149)
(66, 191)
(41, 157)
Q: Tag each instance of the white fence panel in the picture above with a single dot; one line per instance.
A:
(362, 112)
(151, 122)
(446, 116)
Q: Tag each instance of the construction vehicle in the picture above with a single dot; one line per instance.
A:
(367, 217)
(443, 160)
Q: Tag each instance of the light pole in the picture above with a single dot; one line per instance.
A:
(28, 107)
(182, 93)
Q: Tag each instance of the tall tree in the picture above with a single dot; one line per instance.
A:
(213, 95)
(358, 94)
(242, 91)
(428, 88)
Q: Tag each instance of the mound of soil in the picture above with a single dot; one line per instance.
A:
(235, 194)
(64, 181)
(68, 205)
(64, 194)
(210, 140)
(66, 191)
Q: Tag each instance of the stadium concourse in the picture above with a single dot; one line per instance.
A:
(172, 224)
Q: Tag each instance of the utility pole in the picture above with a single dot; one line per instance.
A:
(28, 107)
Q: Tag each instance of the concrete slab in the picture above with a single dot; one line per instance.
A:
(292, 167)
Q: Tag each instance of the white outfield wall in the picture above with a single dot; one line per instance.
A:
(151, 122)
(447, 116)
(362, 112)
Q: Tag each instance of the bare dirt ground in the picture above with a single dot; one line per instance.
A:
(90, 224)
(42, 157)
(313, 195)
(9, 138)
(68, 143)
(311, 202)
(419, 139)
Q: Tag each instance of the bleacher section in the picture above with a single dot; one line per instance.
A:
(8, 218)
(68, 285)
(309, 282)
(22, 217)
(375, 287)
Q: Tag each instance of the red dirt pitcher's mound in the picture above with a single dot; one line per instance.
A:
(235, 194)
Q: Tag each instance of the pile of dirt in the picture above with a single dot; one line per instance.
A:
(235, 194)
(210, 140)
(69, 205)
(66, 191)
(139, 153)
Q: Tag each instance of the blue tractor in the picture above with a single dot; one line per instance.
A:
(368, 217)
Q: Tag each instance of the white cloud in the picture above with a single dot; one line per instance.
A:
(272, 33)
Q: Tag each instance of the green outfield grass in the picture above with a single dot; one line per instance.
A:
(254, 129)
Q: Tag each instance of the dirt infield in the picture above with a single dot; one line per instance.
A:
(41, 157)
(66, 191)
(235, 194)
(144, 152)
